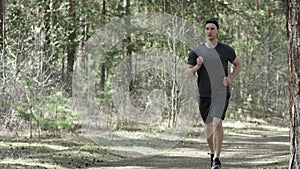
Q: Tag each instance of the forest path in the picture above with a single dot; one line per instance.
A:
(246, 145)
(255, 144)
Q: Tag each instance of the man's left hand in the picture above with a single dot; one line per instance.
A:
(227, 81)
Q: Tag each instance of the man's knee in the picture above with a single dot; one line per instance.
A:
(217, 123)
(209, 126)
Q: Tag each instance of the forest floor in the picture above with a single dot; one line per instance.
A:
(248, 144)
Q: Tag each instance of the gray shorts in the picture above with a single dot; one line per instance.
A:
(216, 106)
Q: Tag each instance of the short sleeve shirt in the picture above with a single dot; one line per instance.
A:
(214, 67)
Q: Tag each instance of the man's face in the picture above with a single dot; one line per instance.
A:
(211, 31)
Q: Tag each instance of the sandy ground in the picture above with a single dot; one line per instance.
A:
(246, 145)
(255, 144)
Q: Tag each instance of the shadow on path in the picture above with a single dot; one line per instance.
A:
(244, 148)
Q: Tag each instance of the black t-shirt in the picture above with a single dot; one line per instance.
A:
(213, 69)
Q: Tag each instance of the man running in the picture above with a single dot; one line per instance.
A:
(210, 61)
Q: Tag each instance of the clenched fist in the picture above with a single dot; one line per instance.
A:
(227, 81)
(199, 61)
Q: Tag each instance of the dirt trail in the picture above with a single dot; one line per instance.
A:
(246, 145)
(256, 145)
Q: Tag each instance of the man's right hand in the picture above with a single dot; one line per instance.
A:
(192, 69)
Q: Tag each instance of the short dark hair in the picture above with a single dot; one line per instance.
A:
(214, 21)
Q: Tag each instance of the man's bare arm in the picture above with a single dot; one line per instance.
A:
(191, 69)
(236, 70)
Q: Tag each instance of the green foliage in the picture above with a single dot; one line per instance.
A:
(56, 114)
(49, 112)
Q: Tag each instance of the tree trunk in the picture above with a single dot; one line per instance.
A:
(103, 67)
(2, 39)
(293, 12)
(127, 63)
(71, 48)
(2, 21)
(128, 52)
(257, 5)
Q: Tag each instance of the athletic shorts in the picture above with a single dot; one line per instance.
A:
(210, 107)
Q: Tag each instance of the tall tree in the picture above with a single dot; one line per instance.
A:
(103, 67)
(127, 49)
(2, 21)
(2, 36)
(71, 48)
(293, 35)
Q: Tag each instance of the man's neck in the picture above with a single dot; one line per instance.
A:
(211, 43)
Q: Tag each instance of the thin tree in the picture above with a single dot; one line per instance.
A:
(71, 48)
(103, 67)
(293, 32)
(127, 49)
(2, 37)
(2, 22)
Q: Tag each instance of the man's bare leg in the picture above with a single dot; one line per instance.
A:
(218, 136)
(208, 129)
(209, 136)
